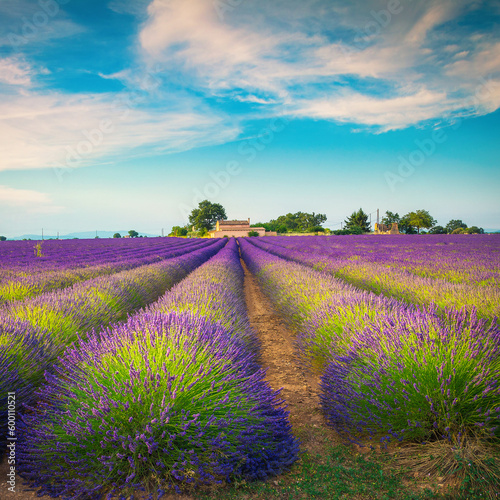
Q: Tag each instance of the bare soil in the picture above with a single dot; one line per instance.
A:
(20, 493)
(300, 389)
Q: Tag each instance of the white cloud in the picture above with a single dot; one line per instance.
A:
(72, 131)
(485, 61)
(15, 72)
(283, 62)
(28, 200)
(387, 113)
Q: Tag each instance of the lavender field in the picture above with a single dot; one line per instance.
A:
(134, 370)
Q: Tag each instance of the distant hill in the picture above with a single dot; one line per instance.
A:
(83, 235)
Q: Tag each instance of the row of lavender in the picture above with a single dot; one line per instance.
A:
(31, 256)
(35, 332)
(21, 285)
(364, 271)
(171, 398)
(454, 258)
(391, 370)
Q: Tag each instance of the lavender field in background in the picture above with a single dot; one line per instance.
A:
(445, 270)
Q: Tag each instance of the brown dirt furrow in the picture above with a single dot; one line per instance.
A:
(300, 389)
(20, 493)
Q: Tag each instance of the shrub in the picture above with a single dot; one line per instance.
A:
(253, 233)
(162, 401)
(422, 378)
(474, 230)
(25, 354)
(355, 230)
(315, 229)
(437, 230)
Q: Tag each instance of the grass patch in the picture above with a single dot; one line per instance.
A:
(335, 474)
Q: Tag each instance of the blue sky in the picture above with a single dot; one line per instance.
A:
(125, 114)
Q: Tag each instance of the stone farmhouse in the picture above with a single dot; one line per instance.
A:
(386, 228)
(237, 228)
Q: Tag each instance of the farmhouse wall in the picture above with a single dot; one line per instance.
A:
(236, 228)
(386, 228)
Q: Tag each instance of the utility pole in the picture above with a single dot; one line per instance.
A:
(42, 233)
(162, 232)
(96, 233)
(57, 234)
(377, 215)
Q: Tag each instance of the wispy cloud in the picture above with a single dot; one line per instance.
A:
(42, 131)
(15, 72)
(286, 60)
(386, 113)
(28, 200)
(352, 62)
(137, 7)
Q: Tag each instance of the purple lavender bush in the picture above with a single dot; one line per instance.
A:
(424, 379)
(163, 401)
(421, 377)
(25, 354)
(215, 291)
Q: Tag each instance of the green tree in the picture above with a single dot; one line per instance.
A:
(206, 215)
(253, 233)
(133, 234)
(179, 231)
(299, 222)
(455, 224)
(437, 230)
(474, 230)
(117, 235)
(391, 218)
(420, 219)
(359, 219)
(3, 238)
(315, 229)
(405, 226)
(355, 229)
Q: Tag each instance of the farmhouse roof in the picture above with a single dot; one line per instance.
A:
(234, 222)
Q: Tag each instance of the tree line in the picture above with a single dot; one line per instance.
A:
(412, 223)
(204, 218)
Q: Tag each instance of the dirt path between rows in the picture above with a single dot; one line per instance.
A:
(19, 489)
(278, 356)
